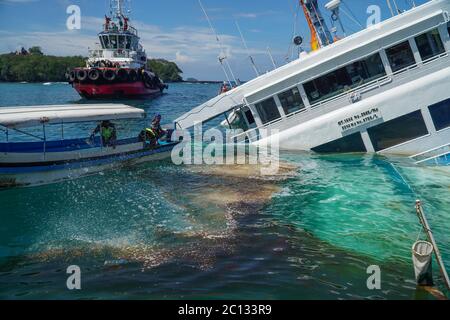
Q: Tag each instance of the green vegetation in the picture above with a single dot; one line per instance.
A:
(166, 70)
(34, 66)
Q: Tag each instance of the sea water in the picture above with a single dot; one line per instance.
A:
(158, 231)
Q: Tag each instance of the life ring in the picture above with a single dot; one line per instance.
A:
(109, 74)
(94, 74)
(82, 75)
(122, 74)
(132, 75)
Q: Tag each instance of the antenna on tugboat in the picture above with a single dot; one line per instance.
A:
(224, 58)
(252, 61)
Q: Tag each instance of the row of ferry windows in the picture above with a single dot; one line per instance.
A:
(118, 42)
(400, 57)
(393, 132)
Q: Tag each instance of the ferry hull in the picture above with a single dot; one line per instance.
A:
(136, 90)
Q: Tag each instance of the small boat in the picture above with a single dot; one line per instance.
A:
(37, 148)
(118, 68)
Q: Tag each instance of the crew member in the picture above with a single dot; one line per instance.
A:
(151, 135)
(107, 132)
(224, 88)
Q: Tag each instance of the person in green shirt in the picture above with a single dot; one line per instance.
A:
(107, 132)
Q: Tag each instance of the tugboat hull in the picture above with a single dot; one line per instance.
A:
(136, 90)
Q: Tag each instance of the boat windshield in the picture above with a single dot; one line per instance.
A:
(113, 41)
(129, 128)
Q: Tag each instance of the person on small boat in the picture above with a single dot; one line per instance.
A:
(151, 135)
(108, 133)
(224, 88)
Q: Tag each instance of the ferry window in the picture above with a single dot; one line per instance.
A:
(400, 56)
(440, 112)
(348, 144)
(366, 70)
(346, 78)
(291, 101)
(430, 44)
(328, 86)
(268, 110)
(249, 116)
(397, 131)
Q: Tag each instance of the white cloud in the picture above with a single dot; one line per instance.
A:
(195, 49)
(181, 58)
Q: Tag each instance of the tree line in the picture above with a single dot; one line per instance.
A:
(33, 66)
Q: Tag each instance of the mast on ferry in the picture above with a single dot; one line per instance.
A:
(320, 34)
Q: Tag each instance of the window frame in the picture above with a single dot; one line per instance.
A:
(440, 42)
(403, 67)
(434, 115)
(259, 106)
(287, 108)
(333, 73)
(375, 138)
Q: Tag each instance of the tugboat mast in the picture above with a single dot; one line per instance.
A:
(117, 8)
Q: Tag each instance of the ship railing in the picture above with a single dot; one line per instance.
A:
(354, 93)
(130, 29)
(121, 53)
(117, 53)
(95, 53)
(432, 154)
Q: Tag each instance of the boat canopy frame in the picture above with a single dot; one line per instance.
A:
(23, 117)
(54, 115)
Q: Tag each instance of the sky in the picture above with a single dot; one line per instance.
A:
(177, 30)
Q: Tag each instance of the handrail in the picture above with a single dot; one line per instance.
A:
(433, 158)
(429, 152)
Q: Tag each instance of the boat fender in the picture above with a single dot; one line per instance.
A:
(82, 75)
(132, 75)
(94, 74)
(122, 74)
(109, 74)
(72, 76)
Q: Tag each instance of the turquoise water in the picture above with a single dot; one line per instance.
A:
(159, 231)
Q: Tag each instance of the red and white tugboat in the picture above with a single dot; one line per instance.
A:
(117, 69)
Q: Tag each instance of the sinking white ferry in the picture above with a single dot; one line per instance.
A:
(48, 144)
(382, 90)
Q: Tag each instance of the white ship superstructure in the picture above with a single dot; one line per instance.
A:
(385, 89)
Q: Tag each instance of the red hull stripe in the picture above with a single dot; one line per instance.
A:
(115, 89)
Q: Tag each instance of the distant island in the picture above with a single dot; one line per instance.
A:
(33, 65)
